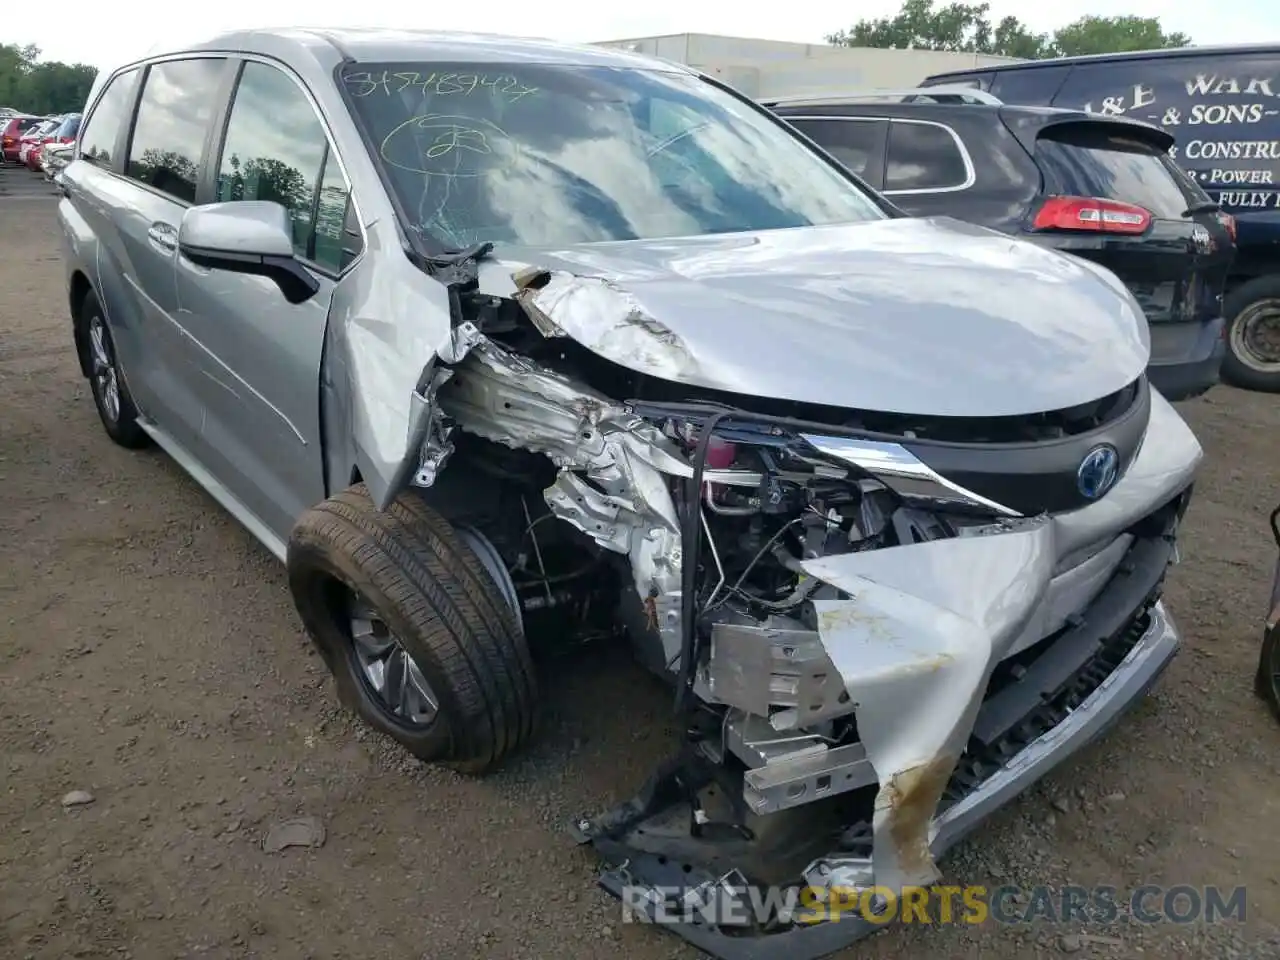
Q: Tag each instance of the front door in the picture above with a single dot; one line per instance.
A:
(259, 355)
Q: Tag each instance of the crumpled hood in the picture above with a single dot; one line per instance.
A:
(921, 316)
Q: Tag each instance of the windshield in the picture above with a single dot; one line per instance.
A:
(550, 154)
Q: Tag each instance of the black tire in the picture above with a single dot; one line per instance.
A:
(1241, 367)
(120, 419)
(442, 606)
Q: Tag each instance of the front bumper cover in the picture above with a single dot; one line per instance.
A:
(1077, 685)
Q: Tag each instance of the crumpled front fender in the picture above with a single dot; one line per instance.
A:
(915, 645)
(381, 374)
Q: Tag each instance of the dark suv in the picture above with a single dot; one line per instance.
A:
(1219, 103)
(1101, 188)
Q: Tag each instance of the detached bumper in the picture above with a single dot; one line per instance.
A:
(1186, 358)
(1121, 689)
(1039, 709)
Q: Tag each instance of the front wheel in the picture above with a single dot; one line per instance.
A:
(421, 641)
(1253, 335)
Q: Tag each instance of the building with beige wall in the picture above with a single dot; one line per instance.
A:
(772, 68)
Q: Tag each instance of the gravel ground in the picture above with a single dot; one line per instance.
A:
(151, 657)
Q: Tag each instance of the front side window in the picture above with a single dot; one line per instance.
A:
(335, 244)
(923, 156)
(541, 154)
(274, 150)
(174, 113)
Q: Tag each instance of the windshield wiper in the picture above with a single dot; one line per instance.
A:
(1206, 206)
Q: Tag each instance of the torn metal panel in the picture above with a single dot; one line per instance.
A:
(605, 318)
(807, 777)
(915, 644)
(776, 663)
(428, 427)
(435, 447)
(613, 484)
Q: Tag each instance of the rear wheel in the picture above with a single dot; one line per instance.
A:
(422, 641)
(110, 393)
(1253, 335)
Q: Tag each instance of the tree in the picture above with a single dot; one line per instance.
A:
(967, 28)
(42, 86)
(1114, 35)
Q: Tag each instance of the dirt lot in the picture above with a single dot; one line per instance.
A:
(149, 654)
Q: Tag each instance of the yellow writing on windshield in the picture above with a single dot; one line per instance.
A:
(446, 146)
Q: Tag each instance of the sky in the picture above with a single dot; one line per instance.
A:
(99, 34)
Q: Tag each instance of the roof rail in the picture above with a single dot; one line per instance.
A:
(938, 94)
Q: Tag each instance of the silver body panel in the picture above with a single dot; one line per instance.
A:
(834, 309)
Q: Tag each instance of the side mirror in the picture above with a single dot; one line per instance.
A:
(249, 236)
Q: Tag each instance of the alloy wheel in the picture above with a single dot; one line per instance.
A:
(388, 669)
(106, 378)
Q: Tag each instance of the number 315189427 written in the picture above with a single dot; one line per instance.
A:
(367, 84)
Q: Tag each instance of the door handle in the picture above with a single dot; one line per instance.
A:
(163, 236)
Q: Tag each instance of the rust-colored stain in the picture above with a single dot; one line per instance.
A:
(878, 627)
(851, 616)
(912, 797)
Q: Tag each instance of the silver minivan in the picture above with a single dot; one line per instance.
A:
(505, 344)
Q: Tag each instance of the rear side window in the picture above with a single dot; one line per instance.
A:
(1089, 161)
(174, 113)
(102, 130)
(924, 157)
(855, 143)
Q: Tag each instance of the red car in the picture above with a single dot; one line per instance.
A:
(11, 131)
(59, 130)
(29, 139)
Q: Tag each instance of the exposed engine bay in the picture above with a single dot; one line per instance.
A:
(830, 610)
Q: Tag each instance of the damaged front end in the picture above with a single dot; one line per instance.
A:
(868, 654)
